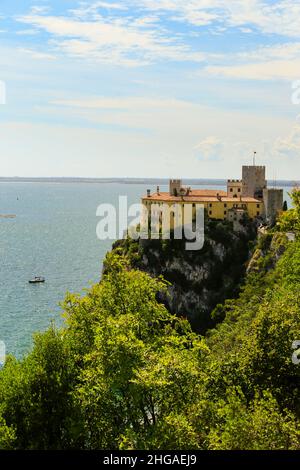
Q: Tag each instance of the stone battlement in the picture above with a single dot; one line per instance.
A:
(260, 167)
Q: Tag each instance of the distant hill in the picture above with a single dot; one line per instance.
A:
(151, 181)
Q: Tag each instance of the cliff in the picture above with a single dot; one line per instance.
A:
(199, 280)
(269, 249)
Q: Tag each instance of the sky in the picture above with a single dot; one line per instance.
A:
(149, 88)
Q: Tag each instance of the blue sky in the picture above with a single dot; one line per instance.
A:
(149, 88)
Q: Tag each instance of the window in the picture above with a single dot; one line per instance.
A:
(194, 205)
(239, 190)
(225, 212)
(231, 190)
(210, 212)
(210, 205)
(225, 205)
(258, 206)
(257, 213)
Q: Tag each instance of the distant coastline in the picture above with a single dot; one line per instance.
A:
(150, 181)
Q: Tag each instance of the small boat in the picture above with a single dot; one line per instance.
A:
(37, 280)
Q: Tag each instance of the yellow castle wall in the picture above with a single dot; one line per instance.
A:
(215, 210)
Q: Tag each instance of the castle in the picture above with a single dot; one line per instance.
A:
(250, 196)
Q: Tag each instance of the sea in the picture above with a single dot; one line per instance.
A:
(52, 234)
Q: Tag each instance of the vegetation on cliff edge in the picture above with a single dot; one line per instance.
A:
(201, 279)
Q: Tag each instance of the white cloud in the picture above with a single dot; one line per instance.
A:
(37, 9)
(280, 17)
(36, 54)
(147, 21)
(125, 103)
(140, 136)
(246, 30)
(101, 31)
(158, 113)
(115, 40)
(278, 153)
(210, 148)
(27, 32)
(110, 6)
(131, 134)
(226, 150)
(284, 51)
(276, 62)
(289, 146)
(91, 10)
(271, 70)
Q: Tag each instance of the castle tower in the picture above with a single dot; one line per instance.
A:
(254, 181)
(273, 202)
(175, 186)
(234, 188)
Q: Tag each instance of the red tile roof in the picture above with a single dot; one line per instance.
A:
(206, 192)
(200, 196)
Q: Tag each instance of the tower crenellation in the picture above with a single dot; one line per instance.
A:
(175, 186)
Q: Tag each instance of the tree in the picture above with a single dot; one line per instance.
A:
(35, 394)
(7, 436)
(258, 426)
(143, 370)
(290, 220)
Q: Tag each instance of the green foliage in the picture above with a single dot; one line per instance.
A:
(252, 348)
(7, 436)
(34, 394)
(259, 425)
(219, 313)
(290, 220)
(143, 366)
(264, 241)
(125, 373)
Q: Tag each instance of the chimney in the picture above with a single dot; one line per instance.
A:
(148, 192)
(157, 190)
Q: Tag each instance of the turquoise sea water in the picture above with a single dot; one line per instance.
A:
(53, 235)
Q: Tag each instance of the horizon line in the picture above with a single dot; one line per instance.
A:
(128, 179)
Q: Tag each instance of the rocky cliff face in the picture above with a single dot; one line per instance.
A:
(269, 249)
(199, 279)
